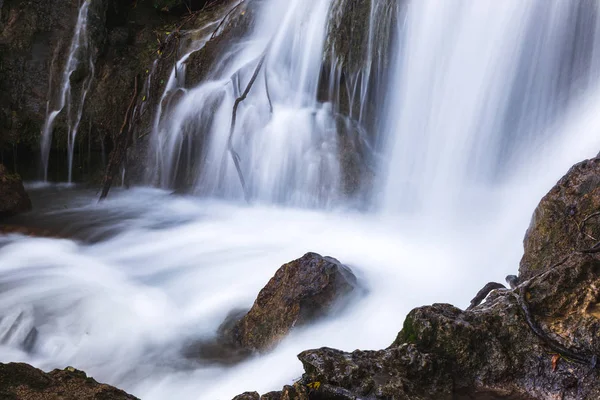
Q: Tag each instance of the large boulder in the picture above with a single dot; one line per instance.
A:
(13, 198)
(300, 292)
(22, 381)
(567, 219)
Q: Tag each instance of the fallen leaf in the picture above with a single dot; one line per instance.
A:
(555, 359)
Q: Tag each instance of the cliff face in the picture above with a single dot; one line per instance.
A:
(35, 43)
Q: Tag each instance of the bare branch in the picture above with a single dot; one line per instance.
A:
(234, 155)
(118, 154)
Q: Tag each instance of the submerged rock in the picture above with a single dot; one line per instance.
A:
(300, 292)
(22, 381)
(13, 198)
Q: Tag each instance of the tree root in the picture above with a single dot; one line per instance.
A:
(583, 359)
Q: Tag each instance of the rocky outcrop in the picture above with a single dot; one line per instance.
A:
(22, 381)
(538, 340)
(567, 219)
(13, 198)
(300, 292)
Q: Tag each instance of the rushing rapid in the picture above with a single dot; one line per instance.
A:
(484, 107)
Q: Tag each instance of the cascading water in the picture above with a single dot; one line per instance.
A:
(480, 88)
(73, 100)
(288, 155)
(485, 112)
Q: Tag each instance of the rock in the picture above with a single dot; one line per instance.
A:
(491, 352)
(22, 381)
(247, 396)
(538, 340)
(300, 292)
(13, 198)
(567, 219)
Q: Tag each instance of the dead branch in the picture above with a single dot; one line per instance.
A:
(592, 250)
(234, 155)
(118, 154)
(225, 19)
(581, 225)
(482, 294)
(267, 90)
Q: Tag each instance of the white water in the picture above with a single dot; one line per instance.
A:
(67, 97)
(460, 190)
(287, 156)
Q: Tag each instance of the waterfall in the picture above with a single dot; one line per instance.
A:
(288, 154)
(460, 114)
(480, 88)
(68, 96)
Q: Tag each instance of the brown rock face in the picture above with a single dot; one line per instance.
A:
(567, 219)
(300, 291)
(22, 381)
(13, 198)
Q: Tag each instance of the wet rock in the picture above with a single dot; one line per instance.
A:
(300, 292)
(567, 219)
(22, 381)
(538, 340)
(247, 396)
(13, 198)
(494, 351)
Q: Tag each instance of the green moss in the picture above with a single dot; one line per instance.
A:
(408, 334)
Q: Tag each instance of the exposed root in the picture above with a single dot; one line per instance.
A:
(584, 359)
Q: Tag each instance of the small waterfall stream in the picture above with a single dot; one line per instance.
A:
(467, 111)
(66, 96)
